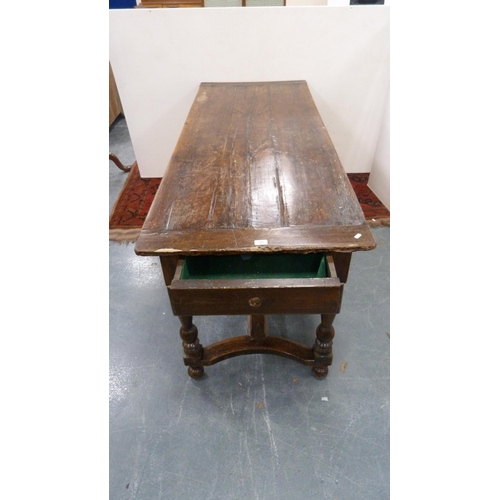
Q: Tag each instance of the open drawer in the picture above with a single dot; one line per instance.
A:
(256, 284)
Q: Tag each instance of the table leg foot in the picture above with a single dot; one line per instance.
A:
(196, 371)
(320, 371)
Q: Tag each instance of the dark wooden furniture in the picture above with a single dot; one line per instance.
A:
(119, 164)
(171, 3)
(254, 216)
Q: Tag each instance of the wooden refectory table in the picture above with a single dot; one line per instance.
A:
(255, 216)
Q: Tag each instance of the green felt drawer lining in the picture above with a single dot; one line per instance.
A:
(255, 266)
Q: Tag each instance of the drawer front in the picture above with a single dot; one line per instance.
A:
(256, 296)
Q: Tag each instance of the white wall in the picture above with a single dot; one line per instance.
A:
(337, 3)
(379, 181)
(160, 56)
(293, 3)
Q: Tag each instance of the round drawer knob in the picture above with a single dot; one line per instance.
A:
(255, 302)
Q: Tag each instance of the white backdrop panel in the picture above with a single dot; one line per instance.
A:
(160, 56)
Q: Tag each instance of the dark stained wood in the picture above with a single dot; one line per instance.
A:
(254, 171)
(342, 264)
(254, 162)
(236, 241)
(262, 296)
(257, 326)
(237, 346)
(254, 296)
(119, 164)
(330, 267)
(319, 357)
(323, 346)
(193, 350)
(168, 267)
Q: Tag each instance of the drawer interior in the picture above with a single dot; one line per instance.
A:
(255, 266)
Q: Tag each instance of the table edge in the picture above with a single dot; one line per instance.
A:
(297, 239)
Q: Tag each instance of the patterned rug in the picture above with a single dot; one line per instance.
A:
(137, 194)
(374, 210)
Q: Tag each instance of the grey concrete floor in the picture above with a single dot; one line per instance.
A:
(254, 427)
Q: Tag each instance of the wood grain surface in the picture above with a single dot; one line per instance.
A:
(254, 170)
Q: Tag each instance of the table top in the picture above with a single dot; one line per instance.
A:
(254, 170)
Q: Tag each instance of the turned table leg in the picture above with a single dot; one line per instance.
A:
(193, 350)
(323, 346)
